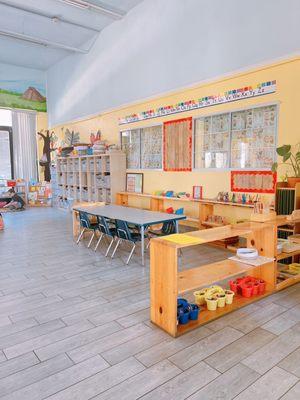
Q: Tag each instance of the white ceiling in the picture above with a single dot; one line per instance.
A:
(62, 28)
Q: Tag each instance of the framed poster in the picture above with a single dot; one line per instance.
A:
(197, 192)
(134, 182)
(253, 181)
(178, 145)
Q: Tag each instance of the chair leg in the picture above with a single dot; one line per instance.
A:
(115, 249)
(90, 242)
(98, 242)
(80, 235)
(109, 247)
(130, 255)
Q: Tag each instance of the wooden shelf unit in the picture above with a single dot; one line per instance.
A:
(167, 283)
(157, 203)
(21, 188)
(92, 178)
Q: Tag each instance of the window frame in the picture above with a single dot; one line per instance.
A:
(230, 112)
(140, 147)
(11, 148)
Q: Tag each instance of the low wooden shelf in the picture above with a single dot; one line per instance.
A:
(167, 283)
(205, 206)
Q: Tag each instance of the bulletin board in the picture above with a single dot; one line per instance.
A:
(178, 145)
(253, 181)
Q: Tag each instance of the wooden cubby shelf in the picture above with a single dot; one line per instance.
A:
(91, 178)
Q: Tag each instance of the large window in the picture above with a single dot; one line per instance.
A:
(241, 139)
(143, 147)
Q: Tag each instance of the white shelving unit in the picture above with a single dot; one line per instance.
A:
(92, 178)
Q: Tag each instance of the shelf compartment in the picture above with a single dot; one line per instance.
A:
(284, 255)
(288, 282)
(205, 275)
(206, 316)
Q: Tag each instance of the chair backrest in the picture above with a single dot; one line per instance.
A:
(104, 227)
(84, 220)
(168, 228)
(123, 231)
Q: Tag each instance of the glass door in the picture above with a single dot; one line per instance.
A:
(6, 153)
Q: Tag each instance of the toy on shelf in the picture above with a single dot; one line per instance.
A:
(262, 212)
(186, 311)
(170, 210)
(214, 297)
(247, 253)
(215, 220)
(40, 194)
(248, 286)
(169, 193)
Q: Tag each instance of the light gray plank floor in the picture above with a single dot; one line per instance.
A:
(75, 325)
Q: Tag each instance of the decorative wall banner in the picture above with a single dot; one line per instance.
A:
(253, 181)
(178, 145)
(226, 97)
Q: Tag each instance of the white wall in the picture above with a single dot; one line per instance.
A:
(162, 45)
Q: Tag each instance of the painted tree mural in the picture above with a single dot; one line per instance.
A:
(48, 147)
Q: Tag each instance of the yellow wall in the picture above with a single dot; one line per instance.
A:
(287, 95)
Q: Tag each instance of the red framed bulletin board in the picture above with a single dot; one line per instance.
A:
(178, 144)
(253, 181)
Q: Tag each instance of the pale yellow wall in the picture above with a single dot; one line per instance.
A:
(287, 96)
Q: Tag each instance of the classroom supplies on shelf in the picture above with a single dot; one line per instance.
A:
(248, 286)
(186, 311)
(247, 253)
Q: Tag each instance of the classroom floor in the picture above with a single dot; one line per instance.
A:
(75, 326)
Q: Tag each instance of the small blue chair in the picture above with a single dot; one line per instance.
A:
(86, 225)
(125, 234)
(105, 230)
(168, 228)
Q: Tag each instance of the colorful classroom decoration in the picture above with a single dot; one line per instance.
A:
(231, 95)
(253, 181)
(177, 145)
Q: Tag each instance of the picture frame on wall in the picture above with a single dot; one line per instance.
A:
(197, 192)
(134, 182)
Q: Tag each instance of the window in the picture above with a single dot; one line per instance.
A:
(6, 147)
(240, 139)
(212, 141)
(143, 147)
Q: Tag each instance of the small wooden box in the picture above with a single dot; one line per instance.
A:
(263, 217)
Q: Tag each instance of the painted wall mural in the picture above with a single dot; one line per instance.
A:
(25, 94)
